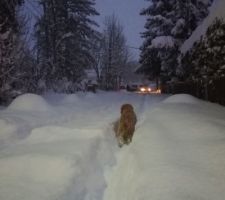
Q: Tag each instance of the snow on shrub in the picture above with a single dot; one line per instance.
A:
(29, 102)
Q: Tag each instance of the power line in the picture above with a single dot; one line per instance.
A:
(131, 47)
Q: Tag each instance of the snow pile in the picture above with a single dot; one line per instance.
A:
(181, 98)
(216, 11)
(29, 102)
(31, 173)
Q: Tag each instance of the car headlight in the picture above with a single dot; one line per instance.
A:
(142, 89)
(149, 89)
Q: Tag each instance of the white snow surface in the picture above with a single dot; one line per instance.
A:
(216, 11)
(184, 98)
(29, 102)
(67, 149)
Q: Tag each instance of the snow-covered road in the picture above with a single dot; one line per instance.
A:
(62, 147)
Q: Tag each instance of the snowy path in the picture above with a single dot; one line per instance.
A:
(124, 176)
(62, 147)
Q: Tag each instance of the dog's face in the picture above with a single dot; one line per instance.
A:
(126, 124)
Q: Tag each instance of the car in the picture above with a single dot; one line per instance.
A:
(122, 87)
(91, 86)
(144, 89)
(154, 88)
(132, 87)
(150, 88)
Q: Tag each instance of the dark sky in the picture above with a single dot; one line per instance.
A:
(127, 12)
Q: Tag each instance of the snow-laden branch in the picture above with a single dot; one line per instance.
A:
(67, 35)
(162, 42)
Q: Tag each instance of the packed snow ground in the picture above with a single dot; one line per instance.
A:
(63, 147)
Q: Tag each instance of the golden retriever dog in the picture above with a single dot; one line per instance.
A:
(125, 127)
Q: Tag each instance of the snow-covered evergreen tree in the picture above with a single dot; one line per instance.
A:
(206, 59)
(64, 35)
(9, 45)
(168, 24)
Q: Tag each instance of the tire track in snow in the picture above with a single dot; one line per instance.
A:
(147, 103)
(141, 111)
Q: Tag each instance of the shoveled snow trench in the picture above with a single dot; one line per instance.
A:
(62, 147)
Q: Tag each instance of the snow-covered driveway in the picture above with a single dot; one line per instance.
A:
(62, 147)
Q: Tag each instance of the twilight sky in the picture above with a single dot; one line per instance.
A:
(127, 12)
